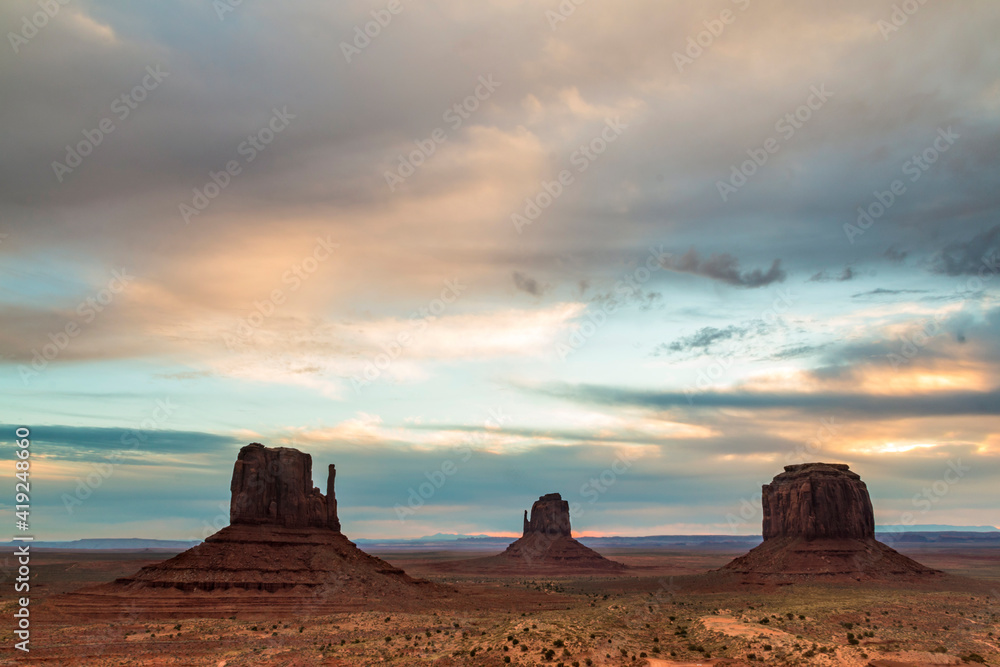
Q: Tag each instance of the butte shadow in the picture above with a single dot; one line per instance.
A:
(819, 526)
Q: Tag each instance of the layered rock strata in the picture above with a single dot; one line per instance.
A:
(284, 542)
(819, 523)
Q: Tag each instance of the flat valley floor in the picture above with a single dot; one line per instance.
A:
(658, 613)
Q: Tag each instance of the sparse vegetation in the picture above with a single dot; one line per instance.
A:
(756, 627)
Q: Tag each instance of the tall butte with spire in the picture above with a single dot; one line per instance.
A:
(819, 524)
(283, 541)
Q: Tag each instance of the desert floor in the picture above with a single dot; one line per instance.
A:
(658, 613)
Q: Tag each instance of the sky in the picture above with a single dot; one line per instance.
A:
(643, 254)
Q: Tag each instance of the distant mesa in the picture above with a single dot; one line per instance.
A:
(819, 522)
(284, 540)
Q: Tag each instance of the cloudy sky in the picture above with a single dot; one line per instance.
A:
(644, 254)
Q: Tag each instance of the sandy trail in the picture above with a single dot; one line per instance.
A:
(728, 625)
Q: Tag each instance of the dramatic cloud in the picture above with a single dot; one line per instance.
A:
(325, 250)
(881, 291)
(955, 403)
(824, 277)
(895, 254)
(80, 441)
(725, 268)
(705, 338)
(979, 255)
(528, 284)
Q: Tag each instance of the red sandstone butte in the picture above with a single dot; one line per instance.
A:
(819, 523)
(274, 487)
(283, 550)
(546, 545)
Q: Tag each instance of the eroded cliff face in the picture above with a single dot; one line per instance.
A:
(273, 486)
(549, 516)
(818, 500)
(547, 544)
(819, 525)
(284, 543)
